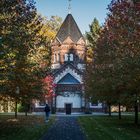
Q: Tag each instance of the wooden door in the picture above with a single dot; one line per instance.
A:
(68, 108)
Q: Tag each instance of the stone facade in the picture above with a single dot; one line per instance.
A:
(59, 52)
(68, 61)
(68, 66)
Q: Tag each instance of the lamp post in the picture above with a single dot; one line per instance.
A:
(17, 93)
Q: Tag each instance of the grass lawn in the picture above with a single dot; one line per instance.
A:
(23, 128)
(110, 128)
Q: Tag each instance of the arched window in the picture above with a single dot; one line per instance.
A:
(79, 54)
(66, 57)
(71, 57)
(54, 57)
(58, 57)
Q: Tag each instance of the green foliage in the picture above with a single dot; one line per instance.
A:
(25, 50)
(23, 107)
(116, 66)
(18, 32)
(93, 34)
(92, 37)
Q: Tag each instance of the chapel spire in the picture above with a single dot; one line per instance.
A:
(69, 28)
(69, 7)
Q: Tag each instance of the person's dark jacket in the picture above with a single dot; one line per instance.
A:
(47, 108)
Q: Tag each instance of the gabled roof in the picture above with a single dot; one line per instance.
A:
(68, 79)
(69, 28)
(65, 66)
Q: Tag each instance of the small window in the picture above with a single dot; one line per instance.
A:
(58, 57)
(71, 57)
(42, 103)
(54, 57)
(66, 57)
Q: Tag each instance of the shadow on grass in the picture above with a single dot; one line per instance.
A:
(110, 128)
(23, 128)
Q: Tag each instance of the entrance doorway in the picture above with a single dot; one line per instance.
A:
(68, 108)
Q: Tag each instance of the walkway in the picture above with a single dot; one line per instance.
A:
(65, 128)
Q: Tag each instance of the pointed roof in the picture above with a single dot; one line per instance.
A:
(69, 28)
(68, 79)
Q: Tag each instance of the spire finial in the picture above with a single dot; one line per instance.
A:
(69, 8)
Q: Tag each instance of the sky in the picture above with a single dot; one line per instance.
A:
(83, 11)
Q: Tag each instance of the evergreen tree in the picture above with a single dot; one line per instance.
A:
(92, 37)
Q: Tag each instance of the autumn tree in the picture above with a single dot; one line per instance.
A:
(25, 49)
(125, 38)
(42, 54)
(49, 90)
(20, 33)
(104, 74)
(117, 55)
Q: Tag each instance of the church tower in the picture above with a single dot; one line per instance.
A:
(68, 64)
(69, 45)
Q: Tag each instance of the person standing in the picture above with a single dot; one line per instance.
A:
(47, 112)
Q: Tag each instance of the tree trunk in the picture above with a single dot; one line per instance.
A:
(26, 109)
(109, 109)
(26, 113)
(16, 109)
(105, 108)
(136, 112)
(120, 111)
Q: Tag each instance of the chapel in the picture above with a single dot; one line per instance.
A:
(68, 51)
(68, 65)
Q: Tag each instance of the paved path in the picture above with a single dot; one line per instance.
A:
(65, 128)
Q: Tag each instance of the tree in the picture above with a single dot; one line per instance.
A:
(48, 88)
(117, 55)
(25, 49)
(123, 24)
(20, 26)
(92, 37)
(103, 76)
(42, 54)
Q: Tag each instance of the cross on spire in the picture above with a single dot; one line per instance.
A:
(69, 8)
